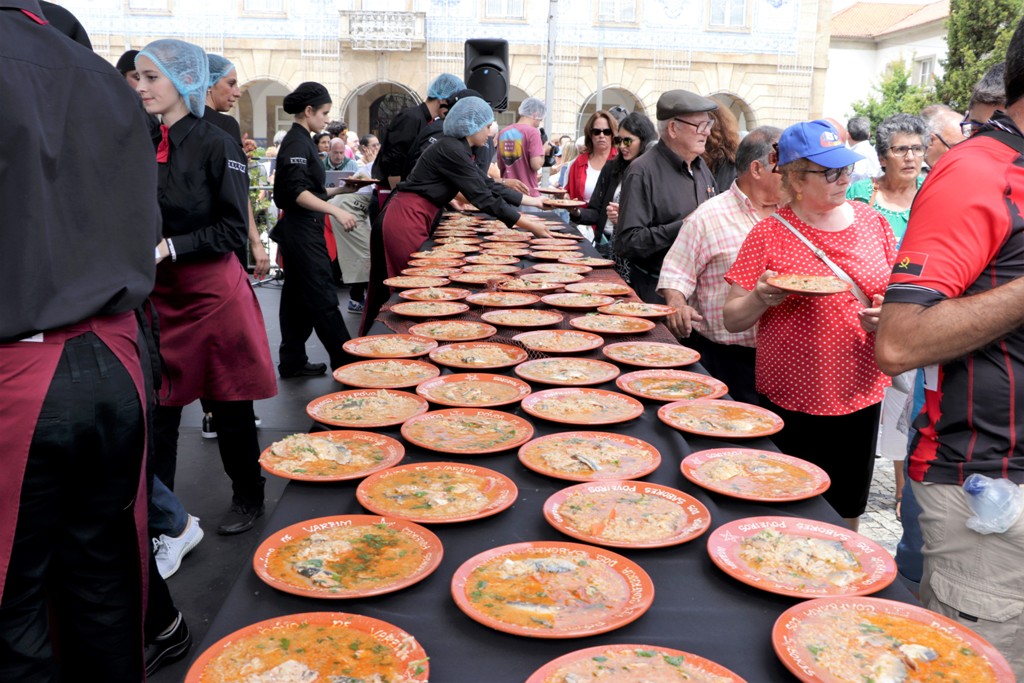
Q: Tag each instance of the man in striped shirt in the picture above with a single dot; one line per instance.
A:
(693, 273)
(955, 306)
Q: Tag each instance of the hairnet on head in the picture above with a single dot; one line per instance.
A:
(186, 66)
(467, 116)
(308, 94)
(532, 107)
(219, 68)
(444, 86)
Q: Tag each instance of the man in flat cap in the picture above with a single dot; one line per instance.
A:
(663, 187)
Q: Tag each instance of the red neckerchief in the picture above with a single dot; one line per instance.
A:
(163, 150)
(39, 20)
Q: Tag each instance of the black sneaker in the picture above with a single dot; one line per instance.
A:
(307, 370)
(168, 648)
(208, 430)
(239, 519)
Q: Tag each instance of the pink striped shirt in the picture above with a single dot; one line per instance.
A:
(704, 250)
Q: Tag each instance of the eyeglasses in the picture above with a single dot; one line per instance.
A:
(904, 150)
(832, 174)
(943, 141)
(969, 126)
(601, 131)
(628, 142)
(703, 127)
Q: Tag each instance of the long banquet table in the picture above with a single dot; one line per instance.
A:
(697, 608)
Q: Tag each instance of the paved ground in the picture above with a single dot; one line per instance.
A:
(879, 522)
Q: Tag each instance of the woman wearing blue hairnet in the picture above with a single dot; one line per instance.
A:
(213, 340)
(445, 170)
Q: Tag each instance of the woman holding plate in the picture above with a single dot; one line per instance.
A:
(815, 364)
(635, 133)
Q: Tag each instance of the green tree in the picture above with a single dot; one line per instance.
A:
(893, 95)
(978, 34)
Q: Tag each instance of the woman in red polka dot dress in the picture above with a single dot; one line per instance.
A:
(815, 354)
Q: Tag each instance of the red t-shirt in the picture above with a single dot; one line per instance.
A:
(812, 354)
(966, 236)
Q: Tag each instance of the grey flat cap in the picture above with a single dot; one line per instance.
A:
(679, 102)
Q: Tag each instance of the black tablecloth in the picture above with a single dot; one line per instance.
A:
(697, 607)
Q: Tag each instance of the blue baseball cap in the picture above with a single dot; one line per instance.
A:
(816, 141)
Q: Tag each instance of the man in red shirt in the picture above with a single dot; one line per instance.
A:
(955, 306)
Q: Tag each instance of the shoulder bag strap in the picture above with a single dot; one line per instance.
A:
(840, 273)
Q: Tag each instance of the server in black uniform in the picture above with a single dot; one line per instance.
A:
(308, 298)
(72, 542)
(212, 337)
(220, 98)
(445, 170)
(396, 161)
(512, 190)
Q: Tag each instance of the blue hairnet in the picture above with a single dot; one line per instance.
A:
(467, 116)
(219, 68)
(187, 68)
(444, 86)
(533, 108)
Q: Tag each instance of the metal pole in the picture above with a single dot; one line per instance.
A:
(549, 85)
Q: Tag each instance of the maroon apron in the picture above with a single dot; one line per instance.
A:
(406, 227)
(26, 369)
(212, 338)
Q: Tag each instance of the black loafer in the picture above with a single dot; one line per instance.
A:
(168, 648)
(239, 519)
(307, 370)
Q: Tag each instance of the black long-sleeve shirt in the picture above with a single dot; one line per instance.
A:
(224, 122)
(659, 190)
(203, 190)
(482, 156)
(77, 181)
(299, 169)
(395, 158)
(447, 168)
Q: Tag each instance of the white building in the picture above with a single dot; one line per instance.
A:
(766, 58)
(868, 36)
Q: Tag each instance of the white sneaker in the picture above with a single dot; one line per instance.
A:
(170, 550)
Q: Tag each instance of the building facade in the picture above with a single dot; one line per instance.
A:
(766, 58)
(867, 37)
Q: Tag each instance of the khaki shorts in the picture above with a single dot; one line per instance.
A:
(974, 579)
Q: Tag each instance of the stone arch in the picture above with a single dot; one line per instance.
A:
(611, 96)
(259, 109)
(740, 109)
(370, 107)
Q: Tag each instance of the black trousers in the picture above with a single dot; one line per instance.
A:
(645, 285)
(236, 438)
(730, 363)
(75, 555)
(842, 445)
(308, 298)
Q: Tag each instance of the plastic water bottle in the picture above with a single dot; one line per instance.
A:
(996, 503)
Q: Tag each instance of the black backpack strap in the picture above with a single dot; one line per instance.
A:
(1014, 142)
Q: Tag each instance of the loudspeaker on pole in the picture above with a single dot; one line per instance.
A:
(487, 70)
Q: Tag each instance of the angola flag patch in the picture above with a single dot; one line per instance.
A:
(910, 263)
